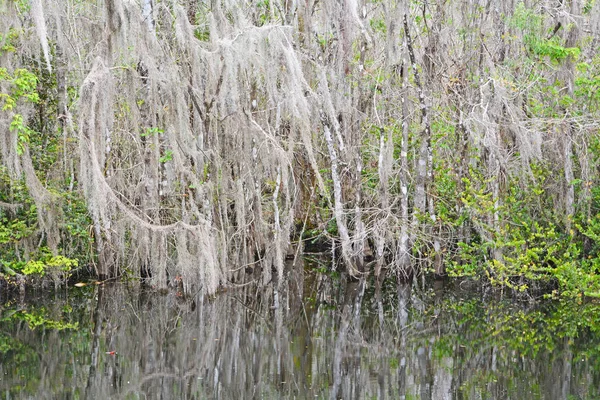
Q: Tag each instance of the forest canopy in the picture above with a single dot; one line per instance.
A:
(204, 142)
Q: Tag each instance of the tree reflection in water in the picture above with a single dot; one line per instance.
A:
(312, 336)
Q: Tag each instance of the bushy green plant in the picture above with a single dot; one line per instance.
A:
(535, 248)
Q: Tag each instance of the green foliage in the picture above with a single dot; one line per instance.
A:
(16, 226)
(48, 262)
(23, 132)
(77, 241)
(167, 156)
(535, 251)
(23, 6)
(553, 49)
(14, 230)
(587, 85)
(152, 131)
(325, 40)
(35, 317)
(20, 227)
(201, 31)
(263, 9)
(38, 318)
(541, 335)
(23, 85)
(41, 264)
(378, 25)
(535, 38)
(9, 42)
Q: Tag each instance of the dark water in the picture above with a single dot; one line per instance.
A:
(315, 337)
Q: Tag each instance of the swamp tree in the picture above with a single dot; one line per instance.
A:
(198, 143)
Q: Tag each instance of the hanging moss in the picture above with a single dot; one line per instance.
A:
(186, 144)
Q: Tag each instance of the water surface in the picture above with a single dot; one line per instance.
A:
(314, 337)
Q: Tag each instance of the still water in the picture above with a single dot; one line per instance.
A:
(314, 337)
